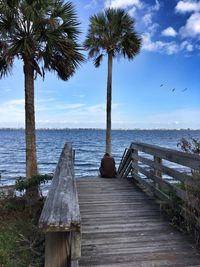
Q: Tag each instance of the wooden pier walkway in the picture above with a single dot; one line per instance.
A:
(122, 226)
(113, 222)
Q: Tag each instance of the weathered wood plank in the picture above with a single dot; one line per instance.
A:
(61, 209)
(151, 187)
(129, 230)
(125, 162)
(60, 242)
(75, 246)
(126, 173)
(134, 160)
(163, 183)
(185, 159)
(122, 160)
(180, 176)
(157, 170)
(60, 218)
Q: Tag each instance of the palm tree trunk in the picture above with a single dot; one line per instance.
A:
(31, 160)
(109, 105)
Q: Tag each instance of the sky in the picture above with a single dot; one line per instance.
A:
(158, 89)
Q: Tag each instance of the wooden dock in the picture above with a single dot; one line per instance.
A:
(122, 226)
(114, 222)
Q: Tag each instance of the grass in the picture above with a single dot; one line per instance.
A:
(21, 242)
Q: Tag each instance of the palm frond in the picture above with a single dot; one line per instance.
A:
(112, 31)
(6, 60)
(131, 45)
(45, 31)
(98, 60)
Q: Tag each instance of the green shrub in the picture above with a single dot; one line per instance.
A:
(21, 242)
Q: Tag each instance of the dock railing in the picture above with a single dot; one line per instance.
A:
(170, 175)
(60, 217)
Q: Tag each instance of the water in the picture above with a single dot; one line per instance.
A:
(89, 146)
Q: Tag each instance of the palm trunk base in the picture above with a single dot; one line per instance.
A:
(32, 196)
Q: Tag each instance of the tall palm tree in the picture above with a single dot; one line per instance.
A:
(43, 34)
(111, 32)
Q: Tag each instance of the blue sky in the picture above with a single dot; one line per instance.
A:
(170, 57)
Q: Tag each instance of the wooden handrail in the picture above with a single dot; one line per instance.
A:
(149, 169)
(119, 168)
(182, 158)
(60, 217)
(126, 160)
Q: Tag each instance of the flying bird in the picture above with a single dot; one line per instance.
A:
(173, 89)
(184, 90)
(161, 85)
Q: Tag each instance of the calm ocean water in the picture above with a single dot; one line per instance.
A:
(89, 146)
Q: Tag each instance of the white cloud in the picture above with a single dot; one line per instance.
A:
(197, 46)
(192, 26)
(12, 115)
(156, 7)
(78, 116)
(57, 106)
(183, 117)
(150, 11)
(13, 109)
(187, 6)
(169, 32)
(123, 3)
(159, 46)
(5, 89)
(147, 19)
(132, 11)
(45, 100)
(91, 4)
(79, 95)
(169, 48)
(186, 45)
(147, 44)
(53, 113)
(153, 28)
(191, 29)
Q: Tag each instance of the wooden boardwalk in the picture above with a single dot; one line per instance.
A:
(123, 227)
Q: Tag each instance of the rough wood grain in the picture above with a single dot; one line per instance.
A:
(164, 184)
(57, 249)
(123, 227)
(177, 175)
(149, 172)
(60, 218)
(185, 159)
(61, 209)
(158, 162)
(125, 162)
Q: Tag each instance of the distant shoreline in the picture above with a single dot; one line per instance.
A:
(99, 129)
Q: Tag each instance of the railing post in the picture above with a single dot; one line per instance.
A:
(57, 249)
(73, 155)
(157, 171)
(75, 248)
(134, 161)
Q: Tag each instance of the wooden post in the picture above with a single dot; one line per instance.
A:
(75, 245)
(57, 249)
(157, 171)
(73, 156)
(134, 161)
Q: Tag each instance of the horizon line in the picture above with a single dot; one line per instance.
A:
(103, 129)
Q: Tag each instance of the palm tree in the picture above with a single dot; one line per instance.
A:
(43, 34)
(111, 32)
